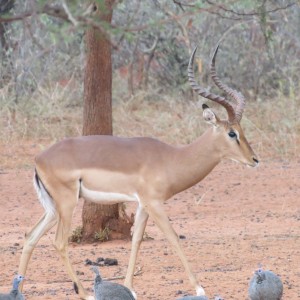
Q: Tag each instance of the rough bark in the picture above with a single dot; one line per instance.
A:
(97, 120)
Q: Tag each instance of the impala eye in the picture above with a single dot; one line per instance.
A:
(232, 134)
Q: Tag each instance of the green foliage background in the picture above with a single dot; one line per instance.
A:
(43, 59)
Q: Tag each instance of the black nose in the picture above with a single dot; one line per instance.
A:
(256, 160)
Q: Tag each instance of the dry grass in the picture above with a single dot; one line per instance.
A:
(272, 126)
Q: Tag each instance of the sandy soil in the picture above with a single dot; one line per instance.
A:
(234, 220)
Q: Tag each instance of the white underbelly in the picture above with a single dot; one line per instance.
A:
(106, 197)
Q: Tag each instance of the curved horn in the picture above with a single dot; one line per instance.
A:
(237, 96)
(204, 93)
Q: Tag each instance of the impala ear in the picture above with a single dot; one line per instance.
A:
(209, 116)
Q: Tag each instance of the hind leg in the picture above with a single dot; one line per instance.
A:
(47, 221)
(61, 245)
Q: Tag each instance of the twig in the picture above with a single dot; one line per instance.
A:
(136, 273)
(70, 17)
(61, 13)
(252, 13)
(199, 200)
(234, 12)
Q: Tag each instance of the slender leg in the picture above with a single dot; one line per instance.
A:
(156, 211)
(46, 222)
(61, 245)
(140, 222)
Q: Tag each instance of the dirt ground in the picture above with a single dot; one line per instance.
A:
(234, 220)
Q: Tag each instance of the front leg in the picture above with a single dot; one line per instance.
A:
(140, 222)
(156, 211)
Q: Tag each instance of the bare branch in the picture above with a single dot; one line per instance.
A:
(161, 22)
(234, 12)
(61, 13)
(179, 4)
(253, 13)
(182, 28)
(152, 48)
(130, 20)
(85, 20)
(67, 11)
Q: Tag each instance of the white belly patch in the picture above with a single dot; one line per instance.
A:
(106, 197)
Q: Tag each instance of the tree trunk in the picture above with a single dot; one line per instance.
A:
(97, 120)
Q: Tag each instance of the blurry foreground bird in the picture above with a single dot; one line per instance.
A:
(265, 285)
(105, 290)
(193, 298)
(199, 298)
(14, 294)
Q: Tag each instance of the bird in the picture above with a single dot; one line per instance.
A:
(199, 298)
(105, 290)
(194, 298)
(14, 294)
(265, 285)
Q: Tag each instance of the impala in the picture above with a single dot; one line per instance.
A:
(108, 169)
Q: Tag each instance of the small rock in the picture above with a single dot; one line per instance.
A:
(99, 260)
(88, 262)
(110, 262)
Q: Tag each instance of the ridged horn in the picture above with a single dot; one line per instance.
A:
(237, 96)
(204, 93)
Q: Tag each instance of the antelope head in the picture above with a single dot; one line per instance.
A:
(229, 134)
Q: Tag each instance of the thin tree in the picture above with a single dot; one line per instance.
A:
(6, 74)
(97, 120)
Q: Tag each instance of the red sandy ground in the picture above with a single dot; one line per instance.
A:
(234, 220)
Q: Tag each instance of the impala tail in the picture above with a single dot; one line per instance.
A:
(43, 195)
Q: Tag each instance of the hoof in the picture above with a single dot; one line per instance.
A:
(200, 291)
(75, 286)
